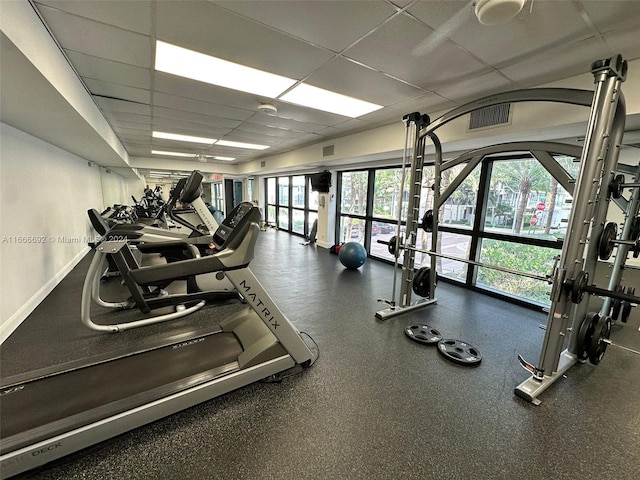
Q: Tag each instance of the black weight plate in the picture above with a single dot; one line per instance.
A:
(615, 187)
(577, 287)
(423, 334)
(422, 282)
(391, 246)
(459, 352)
(585, 332)
(427, 221)
(597, 347)
(605, 246)
(626, 306)
(635, 229)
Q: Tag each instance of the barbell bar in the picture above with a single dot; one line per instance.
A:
(392, 242)
(579, 285)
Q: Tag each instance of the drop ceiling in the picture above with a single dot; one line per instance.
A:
(405, 55)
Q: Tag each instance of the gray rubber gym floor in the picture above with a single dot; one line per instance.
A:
(375, 405)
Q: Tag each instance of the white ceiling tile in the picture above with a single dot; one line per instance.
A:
(195, 118)
(110, 71)
(210, 29)
(430, 102)
(280, 121)
(135, 16)
(136, 150)
(133, 118)
(624, 42)
(348, 78)
(183, 87)
(250, 127)
(333, 25)
(133, 127)
(112, 105)
(608, 15)
(132, 136)
(307, 115)
(167, 122)
(204, 108)
(246, 137)
(560, 62)
(113, 90)
(98, 39)
(392, 49)
(477, 87)
(216, 124)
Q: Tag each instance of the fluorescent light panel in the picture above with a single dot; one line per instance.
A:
(224, 158)
(205, 68)
(183, 138)
(173, 154)
(252, 146)
(208, 141)
(321, 99)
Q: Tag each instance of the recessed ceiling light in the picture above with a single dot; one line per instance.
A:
(252, 146)
(172, 154)
(321, 99)
(205, 68)
(224, 158)
(183, 138)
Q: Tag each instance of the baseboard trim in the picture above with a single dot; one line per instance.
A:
(13, 322)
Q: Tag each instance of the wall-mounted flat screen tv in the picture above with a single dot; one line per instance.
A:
(321, 182)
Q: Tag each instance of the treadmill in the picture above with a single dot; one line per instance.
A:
(50, 414)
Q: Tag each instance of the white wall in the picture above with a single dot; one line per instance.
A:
(114, 189)
(45, 193)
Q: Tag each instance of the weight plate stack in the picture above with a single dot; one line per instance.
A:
(597, 347)
(585, 333)
(626, 306)
(422, 282)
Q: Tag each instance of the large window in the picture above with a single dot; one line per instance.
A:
(271, 201)
(354, 195)
(507, 211)
(291, 205)
(525, 200)
(460, 208)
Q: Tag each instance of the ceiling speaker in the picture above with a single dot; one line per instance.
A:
(492, 12)
(268, 109)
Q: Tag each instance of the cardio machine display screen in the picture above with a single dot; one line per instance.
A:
(224, 232)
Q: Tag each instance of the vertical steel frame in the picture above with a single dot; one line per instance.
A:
(588, 215)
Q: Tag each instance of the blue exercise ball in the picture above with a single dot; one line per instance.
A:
(352, 255)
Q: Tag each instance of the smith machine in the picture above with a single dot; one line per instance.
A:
(572, 333)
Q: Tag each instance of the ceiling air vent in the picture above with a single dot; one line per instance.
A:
(263, 163)
(328, 150)
(490, 116)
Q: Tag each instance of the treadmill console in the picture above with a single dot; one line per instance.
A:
(235, 225)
